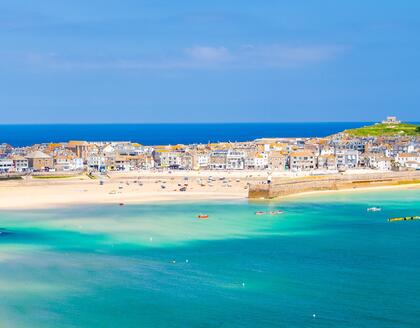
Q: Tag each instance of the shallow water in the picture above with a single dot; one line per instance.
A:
(159, 266)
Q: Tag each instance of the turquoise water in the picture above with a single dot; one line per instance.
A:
(158, 266)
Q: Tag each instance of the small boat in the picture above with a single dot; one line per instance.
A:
(202, 216)
(259, 213)
(373, 209)
(276, 212)
(121, 204)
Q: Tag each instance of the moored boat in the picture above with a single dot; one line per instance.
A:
(203, 216)
(276, 212)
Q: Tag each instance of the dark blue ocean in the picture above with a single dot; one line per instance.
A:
(156, 134)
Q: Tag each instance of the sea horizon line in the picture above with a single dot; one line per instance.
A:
(191, 123)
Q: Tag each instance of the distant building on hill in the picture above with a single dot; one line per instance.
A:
(391, 120)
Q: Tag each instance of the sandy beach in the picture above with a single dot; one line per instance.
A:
(119, 188)
(136, 187)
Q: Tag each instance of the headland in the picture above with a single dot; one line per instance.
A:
(382, 155)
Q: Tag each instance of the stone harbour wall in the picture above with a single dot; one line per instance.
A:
(334, 182)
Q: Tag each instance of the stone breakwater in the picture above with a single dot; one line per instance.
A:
(284, 187)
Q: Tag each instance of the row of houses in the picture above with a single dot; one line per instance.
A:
(74, 156)
(35, 161)
(281, 154)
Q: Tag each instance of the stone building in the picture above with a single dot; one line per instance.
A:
(39, 161)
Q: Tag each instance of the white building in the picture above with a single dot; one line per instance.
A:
(347, 158)
(379, 162)
(414, 165)
(261, 161)
(78, 163)
(97, 162)
(391, 120)
(20, 163)
(6, 165)
(408, 160)
(201, 160)
(68, 163)
(235, 160)
(327, 150)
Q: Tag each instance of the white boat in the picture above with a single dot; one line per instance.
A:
(373, 209)
(276, 212)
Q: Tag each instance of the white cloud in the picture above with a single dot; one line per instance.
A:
(274, 56)
(209, 54)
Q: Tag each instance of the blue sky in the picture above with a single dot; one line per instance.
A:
(208, 61)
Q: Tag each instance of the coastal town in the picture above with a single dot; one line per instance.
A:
(336, 153)
(209, 164)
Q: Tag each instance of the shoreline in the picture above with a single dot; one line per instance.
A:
(136, 188)
(154, 199)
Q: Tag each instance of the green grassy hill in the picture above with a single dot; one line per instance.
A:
(402, 129)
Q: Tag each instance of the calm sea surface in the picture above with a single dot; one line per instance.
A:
(157, 134)
(326, 262)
